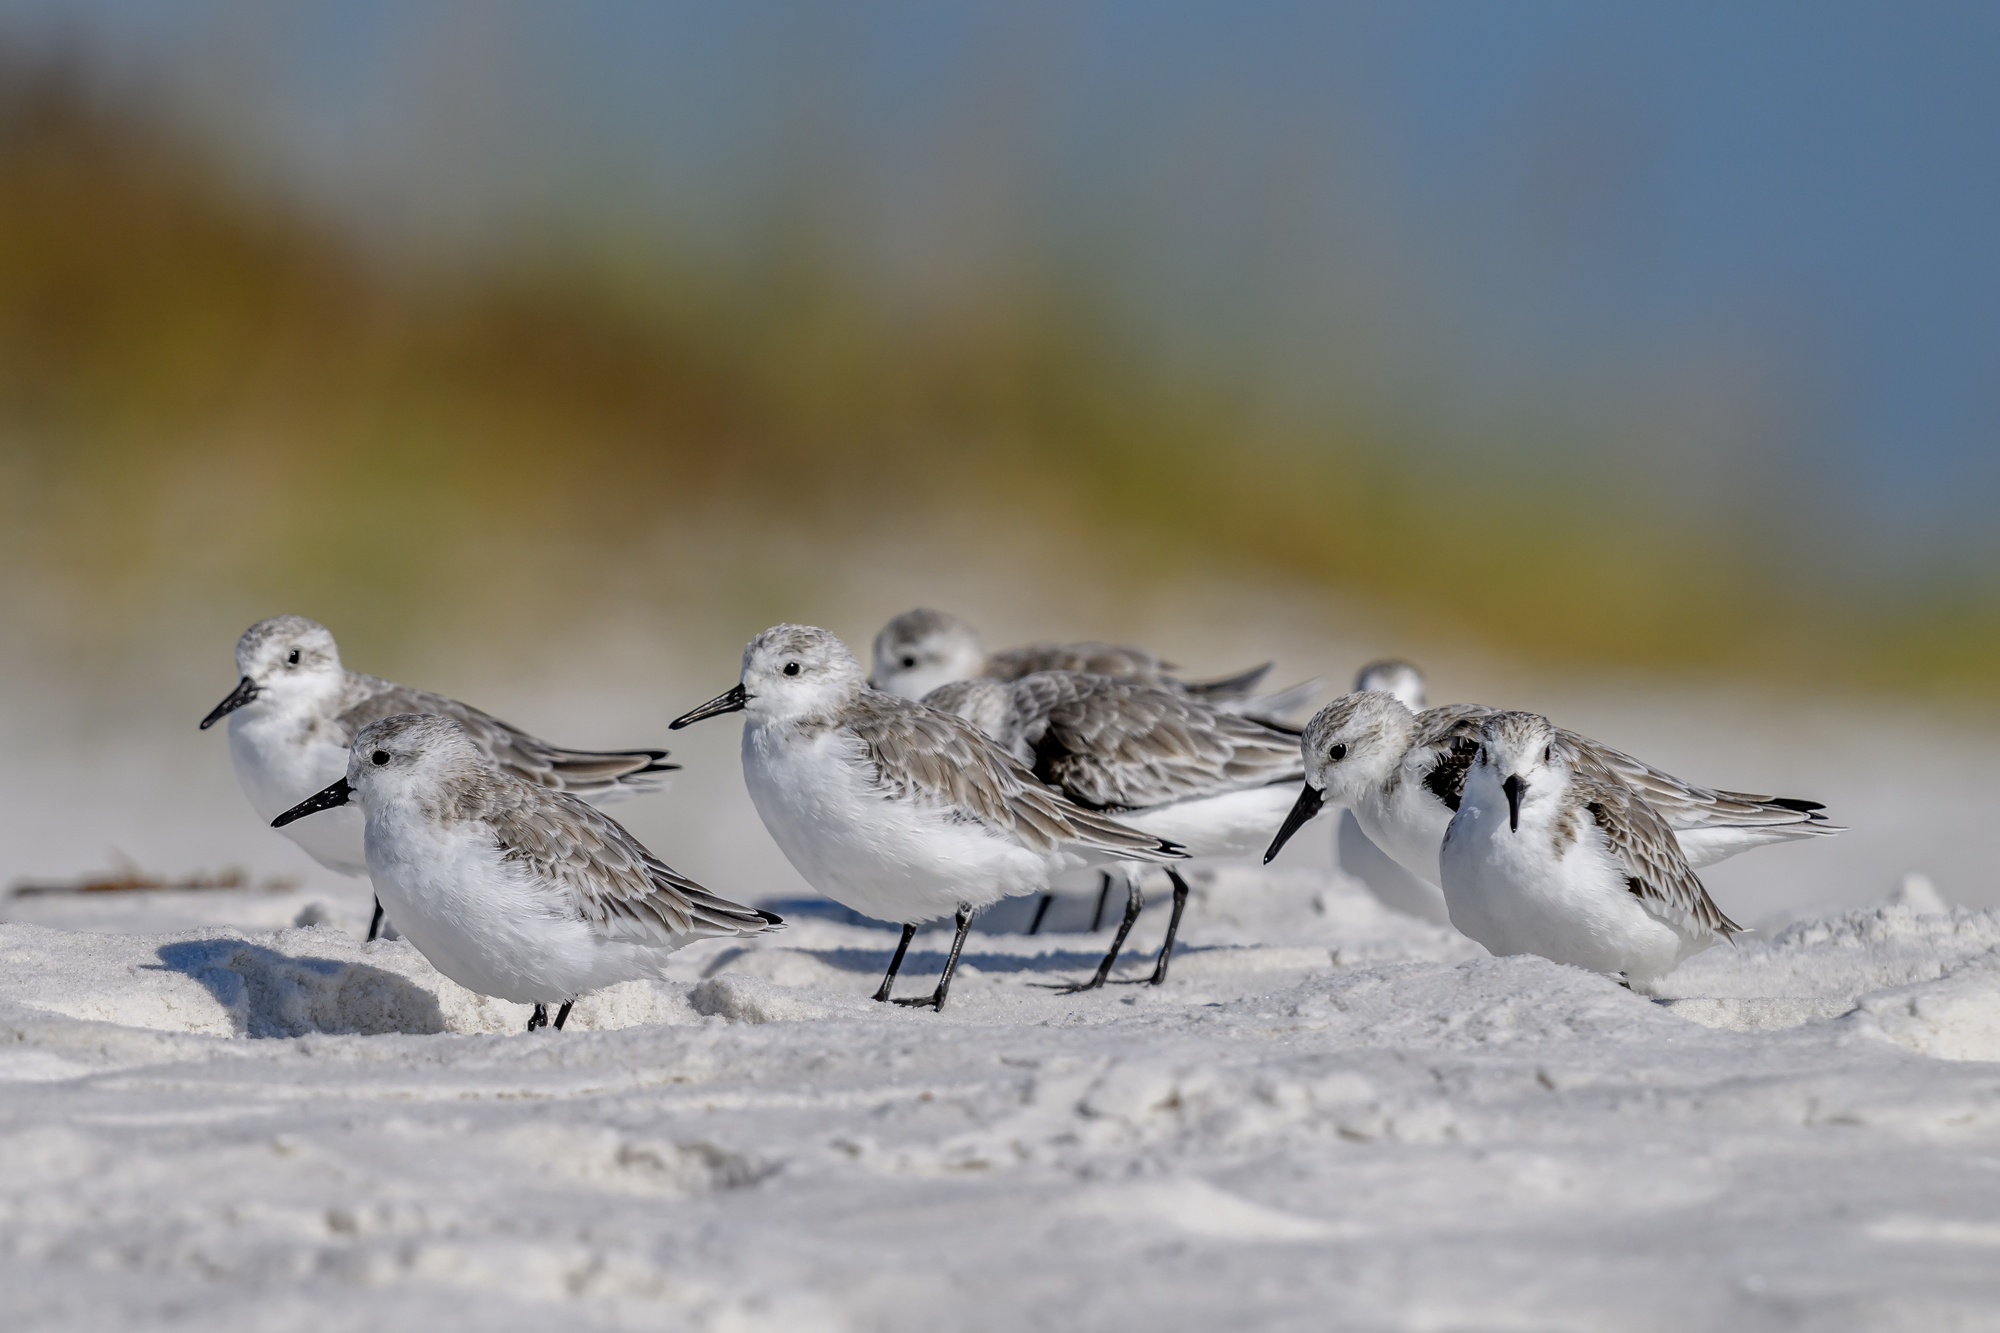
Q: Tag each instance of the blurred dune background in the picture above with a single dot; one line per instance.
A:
(1596, 357)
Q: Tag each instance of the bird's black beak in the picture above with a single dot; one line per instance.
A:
(338, 794)
(1311, 798)
(245, 691)
(729, 701)
(1513, 786)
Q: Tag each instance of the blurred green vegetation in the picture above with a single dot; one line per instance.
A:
(202, 388)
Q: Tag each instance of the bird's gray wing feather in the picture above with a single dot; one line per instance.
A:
(612, 881)
(1137, 664)
(945, 762)
(1684, 805)
(1121, 745)
(1655, 870)
(580, 772)
(1096, 659)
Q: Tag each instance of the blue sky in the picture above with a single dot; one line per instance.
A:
(1739, 236)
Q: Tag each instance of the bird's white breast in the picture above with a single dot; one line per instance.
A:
(894, 859)
(1526, 891)
(1407, 821)
(482, 920)
(281, 758)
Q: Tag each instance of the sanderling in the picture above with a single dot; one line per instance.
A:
(920, 650)
(1214, 783)
(510, 887)
(896, 810)
(1394, 676)
(1353, 851)
(295, 710)
(1546, 858)
(1401, 774)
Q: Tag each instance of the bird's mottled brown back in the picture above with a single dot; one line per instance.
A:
(1449, 734)
(1121, 745)
(611, 879)
(1096, 659)
(1655, 870)
(945, 762)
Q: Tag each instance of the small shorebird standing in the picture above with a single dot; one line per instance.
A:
(1402, 773)
(894, 809)
(1353, 851)
(920, 650)
(1215, 783)
(295, 711)
(509, 887)
(1545, 859)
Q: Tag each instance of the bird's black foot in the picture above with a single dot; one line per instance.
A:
(562, 1014)
(538, 1019)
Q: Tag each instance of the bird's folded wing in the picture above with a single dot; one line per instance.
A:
(1096, 659)
(945, 762)
(1121, 745)
(1655, 870)
(582, 772)
(987, 704)
(611, 879)
(1684, 805)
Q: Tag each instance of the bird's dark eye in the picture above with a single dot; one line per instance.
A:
(1548, 754)
(909, 662)
(293, 659)
(791, 668)
(1336, 754)
(380, 757)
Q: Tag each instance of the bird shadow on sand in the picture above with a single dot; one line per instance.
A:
(1075, 959)
(270, 994)
(920, 962)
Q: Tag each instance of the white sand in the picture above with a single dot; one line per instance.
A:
(1330, 1117)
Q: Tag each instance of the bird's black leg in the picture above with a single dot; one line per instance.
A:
(538, 1019)
(562, 1014)
(1173, 926)
(375, 923)
(1135, 899)
(1103, 897)
(896, 963)
(936, 999)
(1041, 910)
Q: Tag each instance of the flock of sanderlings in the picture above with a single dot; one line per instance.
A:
(947, 778)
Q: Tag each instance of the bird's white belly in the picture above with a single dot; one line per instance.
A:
(1506, 890)
(1718, 842)
(1237, 823)
(1393, 886)
(895, 860)
(1409, 825)
(278, 765)
(483, 922)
